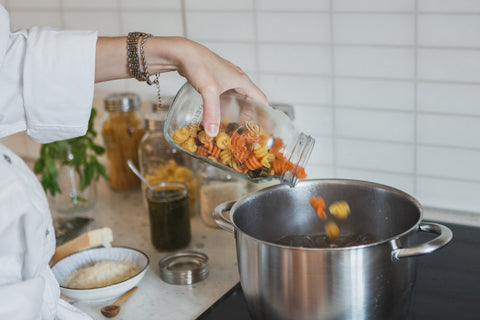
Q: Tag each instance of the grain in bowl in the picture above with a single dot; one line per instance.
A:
(64, 267)
(100, 274)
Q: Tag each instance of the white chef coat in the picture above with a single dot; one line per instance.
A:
(46, 88)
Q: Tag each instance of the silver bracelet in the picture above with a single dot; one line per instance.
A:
(145, 68)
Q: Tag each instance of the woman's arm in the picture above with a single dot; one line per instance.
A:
(208, 73)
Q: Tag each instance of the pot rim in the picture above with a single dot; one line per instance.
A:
(337, 181)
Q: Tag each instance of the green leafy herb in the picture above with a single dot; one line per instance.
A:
(79, 153)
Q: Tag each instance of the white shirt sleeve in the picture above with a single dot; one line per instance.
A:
(47, 79)
(28, 288)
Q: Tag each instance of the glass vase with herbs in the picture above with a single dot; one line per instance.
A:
(68, 170)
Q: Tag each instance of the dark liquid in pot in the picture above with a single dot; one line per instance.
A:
(322, 241)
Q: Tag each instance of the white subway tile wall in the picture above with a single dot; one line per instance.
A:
(389, 89)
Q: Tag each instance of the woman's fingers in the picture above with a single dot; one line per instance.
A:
(211, 75)
(211, 110)
(211, 103)
(253, 92)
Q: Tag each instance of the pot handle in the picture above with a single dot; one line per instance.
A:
(444, 237)
(218, 215)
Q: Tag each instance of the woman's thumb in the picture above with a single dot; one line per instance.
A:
(211, 111)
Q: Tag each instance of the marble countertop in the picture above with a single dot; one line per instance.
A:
(126, 215)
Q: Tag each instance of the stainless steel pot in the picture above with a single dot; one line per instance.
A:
(359, 281)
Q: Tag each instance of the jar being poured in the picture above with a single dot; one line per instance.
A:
(255, 141)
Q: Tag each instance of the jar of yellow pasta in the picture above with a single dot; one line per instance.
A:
(160, 162)
(255, 141)
(122, 131)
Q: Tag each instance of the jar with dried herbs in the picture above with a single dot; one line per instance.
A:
(122, 131)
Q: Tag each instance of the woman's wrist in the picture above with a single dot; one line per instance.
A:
(164, 54)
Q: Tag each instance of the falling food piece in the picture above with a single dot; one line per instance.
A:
(332, 230)
(318, 204)
(339, 209)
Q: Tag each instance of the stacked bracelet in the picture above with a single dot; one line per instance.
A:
(134, 60)
(132, 53)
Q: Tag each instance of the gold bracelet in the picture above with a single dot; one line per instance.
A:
(132, 54)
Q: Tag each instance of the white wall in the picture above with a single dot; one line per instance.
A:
(389, 89)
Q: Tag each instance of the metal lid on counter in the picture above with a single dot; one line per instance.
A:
(185, 267)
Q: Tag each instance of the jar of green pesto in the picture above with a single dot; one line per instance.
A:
(169, 215)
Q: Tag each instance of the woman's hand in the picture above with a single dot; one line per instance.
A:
(208, 73)
(211, 76)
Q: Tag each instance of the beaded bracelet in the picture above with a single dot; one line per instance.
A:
(132, 53)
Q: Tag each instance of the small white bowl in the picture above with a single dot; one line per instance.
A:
(65, 266)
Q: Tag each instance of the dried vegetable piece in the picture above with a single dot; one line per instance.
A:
(242, 147)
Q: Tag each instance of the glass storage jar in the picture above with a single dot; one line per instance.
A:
(289, 111)
(169, 215)
(255, 141)
(160, 162)
(217, 186)
(122, 130)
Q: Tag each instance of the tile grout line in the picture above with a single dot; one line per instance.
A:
(415, 103)
(184, 18)
(120, 20)
(62, 14)
(332, 82)
(256, 43)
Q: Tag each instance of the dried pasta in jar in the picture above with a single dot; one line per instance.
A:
(252, 127)
(243, 147)
(122, 132)
(181, 135)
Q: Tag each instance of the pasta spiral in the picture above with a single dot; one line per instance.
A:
(339, 209)
(318, 204)
(190, 145)
(259, 150)
(223, 140)
(331, 229)
(226, 157)
(180, 135)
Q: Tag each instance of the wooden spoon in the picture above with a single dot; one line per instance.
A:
(113, 309)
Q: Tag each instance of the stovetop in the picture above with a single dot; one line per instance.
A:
(447, 285)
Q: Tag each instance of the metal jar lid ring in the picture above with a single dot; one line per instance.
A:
(185, 267)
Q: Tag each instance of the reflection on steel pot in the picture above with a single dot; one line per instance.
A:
(371, 279)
